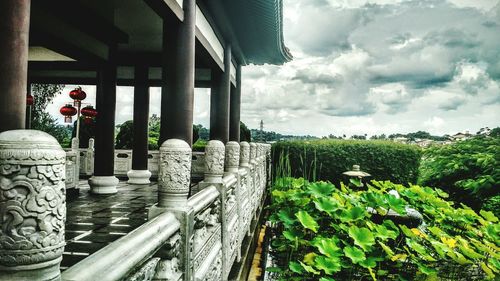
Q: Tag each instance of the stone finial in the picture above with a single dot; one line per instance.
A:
(175, 173)
(32, 204)
(75, 144)
(232, 160)
(214, 161)
(253, 151)
(244, 154)
(91, 143)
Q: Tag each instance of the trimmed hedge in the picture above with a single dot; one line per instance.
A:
(328, 159)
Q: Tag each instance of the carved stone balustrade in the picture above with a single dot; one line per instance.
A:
(232, 161)
(32, 205)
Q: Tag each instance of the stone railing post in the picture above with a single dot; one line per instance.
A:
(173, 189)
(90, 158)
(75, 148)
(244, 154)
(253, 176)
(32, 205)
(245, 184)
(232, 157)
(232, 166)
(214, 171)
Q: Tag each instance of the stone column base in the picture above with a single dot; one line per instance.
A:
(139, 177)
(103, 184)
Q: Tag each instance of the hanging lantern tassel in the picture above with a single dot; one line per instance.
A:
(89, 112)
(68, 111)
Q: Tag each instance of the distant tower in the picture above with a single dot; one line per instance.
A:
(261, 130)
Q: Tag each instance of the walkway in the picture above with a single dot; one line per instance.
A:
(94, 221)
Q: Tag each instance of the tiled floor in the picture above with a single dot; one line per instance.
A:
(94, 221)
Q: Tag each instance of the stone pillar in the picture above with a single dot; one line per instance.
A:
(214, 162)
(178, 76)
(244, 154)
(234, 111)
(140, 173)
(175, 173)
(14, 30)
(253, 152)
(173, 189)
(103, 181)
(32, 205)
(219, 101)
(232, 159)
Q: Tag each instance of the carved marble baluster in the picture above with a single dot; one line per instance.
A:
(174, 178)
(32, 205)
(214, 161)
(175, 173)
(232, 160)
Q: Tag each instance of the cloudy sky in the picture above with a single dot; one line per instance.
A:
(372, 66)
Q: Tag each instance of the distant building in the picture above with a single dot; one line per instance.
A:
(461, 136)
(484, 131)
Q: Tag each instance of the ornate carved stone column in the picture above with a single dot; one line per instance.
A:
(214, 162)
(173, 189)
(32, 205)
(244, 154)
(232, 161)
(175, 173)
(253, 152)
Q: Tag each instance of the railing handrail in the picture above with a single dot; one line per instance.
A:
(120, 258)
(203, 198)
(229, 180)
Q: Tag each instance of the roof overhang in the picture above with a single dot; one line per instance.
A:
(254, 29)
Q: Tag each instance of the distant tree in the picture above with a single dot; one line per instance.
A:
(125, 135)
(245, 134)
(495, 132)
(43, 95)
(87, 131)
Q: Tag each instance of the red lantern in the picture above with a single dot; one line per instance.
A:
(89, 112)
(29, 100)
(68, 111)
(77, 95)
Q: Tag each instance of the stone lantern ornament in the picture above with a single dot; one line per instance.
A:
(357, 174)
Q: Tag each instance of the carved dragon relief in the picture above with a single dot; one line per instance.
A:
(33, 209)
(175, 171)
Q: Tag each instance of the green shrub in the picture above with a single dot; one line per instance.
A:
(328, 159)
(326, 233)
(468, 170)
(199, 145)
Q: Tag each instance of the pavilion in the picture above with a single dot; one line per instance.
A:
(175, 44)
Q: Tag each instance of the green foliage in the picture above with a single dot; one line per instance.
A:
(125, 136)
(87, 131)
(328, 159)
(43, 94)
(329, 233)
(245, 133)
(468, 170)
(199, 145)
